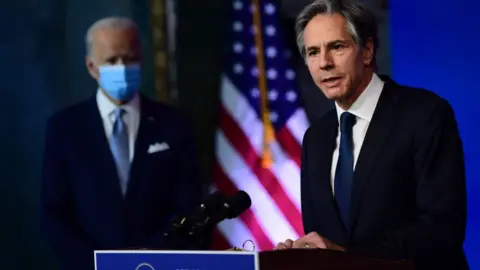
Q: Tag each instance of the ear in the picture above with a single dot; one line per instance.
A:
(92, 69)
(368, 52)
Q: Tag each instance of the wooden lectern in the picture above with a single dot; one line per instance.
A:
(320, 259)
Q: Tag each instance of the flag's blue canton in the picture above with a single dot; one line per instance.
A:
(241, 64)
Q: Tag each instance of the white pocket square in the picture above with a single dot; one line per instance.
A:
(157, 147)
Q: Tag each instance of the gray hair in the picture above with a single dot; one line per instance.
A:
(119, 23)
(361, 22)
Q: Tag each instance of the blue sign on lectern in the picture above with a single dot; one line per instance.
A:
(175, 260)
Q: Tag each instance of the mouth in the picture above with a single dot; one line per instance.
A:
(332, 81)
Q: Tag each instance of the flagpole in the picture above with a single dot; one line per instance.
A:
(268, 131)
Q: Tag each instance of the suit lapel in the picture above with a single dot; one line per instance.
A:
(322, 186)
(377, 133)
(326, 152)
(148, 133)
(98, 149)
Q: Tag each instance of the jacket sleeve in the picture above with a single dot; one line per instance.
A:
(57, 221)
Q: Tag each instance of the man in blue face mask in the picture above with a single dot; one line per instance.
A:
(114, 61)
(118, 166)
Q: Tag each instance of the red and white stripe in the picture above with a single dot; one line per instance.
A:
(275, 214)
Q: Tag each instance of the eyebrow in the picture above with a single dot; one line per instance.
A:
(329, 44)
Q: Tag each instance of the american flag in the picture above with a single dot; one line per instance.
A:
(261, 127)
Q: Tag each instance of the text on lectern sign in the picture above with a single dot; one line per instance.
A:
(175, 260)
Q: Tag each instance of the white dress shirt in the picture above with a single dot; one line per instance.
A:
(131, 117)
(363, 109)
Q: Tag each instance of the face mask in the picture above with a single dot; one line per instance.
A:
(119, 81)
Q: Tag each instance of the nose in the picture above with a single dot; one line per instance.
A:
(119, 61)
(124, 60)
(325, 61)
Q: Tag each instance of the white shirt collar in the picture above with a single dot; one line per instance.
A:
(364, 106)
(107, 107)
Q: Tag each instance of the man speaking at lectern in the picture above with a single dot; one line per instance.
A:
(383, 172)
(118, 166)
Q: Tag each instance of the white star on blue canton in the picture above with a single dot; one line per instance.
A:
(271, 52)
(291, 96)
(254, 72)
(270, 30)
(253, 50)
(269, 9)
(287, 54)
(237, 5)
(252, 8)
(255, 93)
(290, 74)
(238, 47)
(272, 74)
(273, 117)
(253, 29)
(237, 26)
(237, 68)
(273, 95)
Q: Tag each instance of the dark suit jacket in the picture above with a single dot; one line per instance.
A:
(409, 196)
(82, 205)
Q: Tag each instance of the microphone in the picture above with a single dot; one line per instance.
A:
(188, 232)
(183, 223)
(231, 208)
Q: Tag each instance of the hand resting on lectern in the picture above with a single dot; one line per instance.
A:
(311, 240)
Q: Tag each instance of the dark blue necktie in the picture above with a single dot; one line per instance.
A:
(344, 171)
(120, 148)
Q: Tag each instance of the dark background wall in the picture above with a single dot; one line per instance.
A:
(31, 87)
(199, 32)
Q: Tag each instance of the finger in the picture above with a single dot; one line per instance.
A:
(289, 243)
(281, 246)
(300, 243)
(315, 240)
(313, 236)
